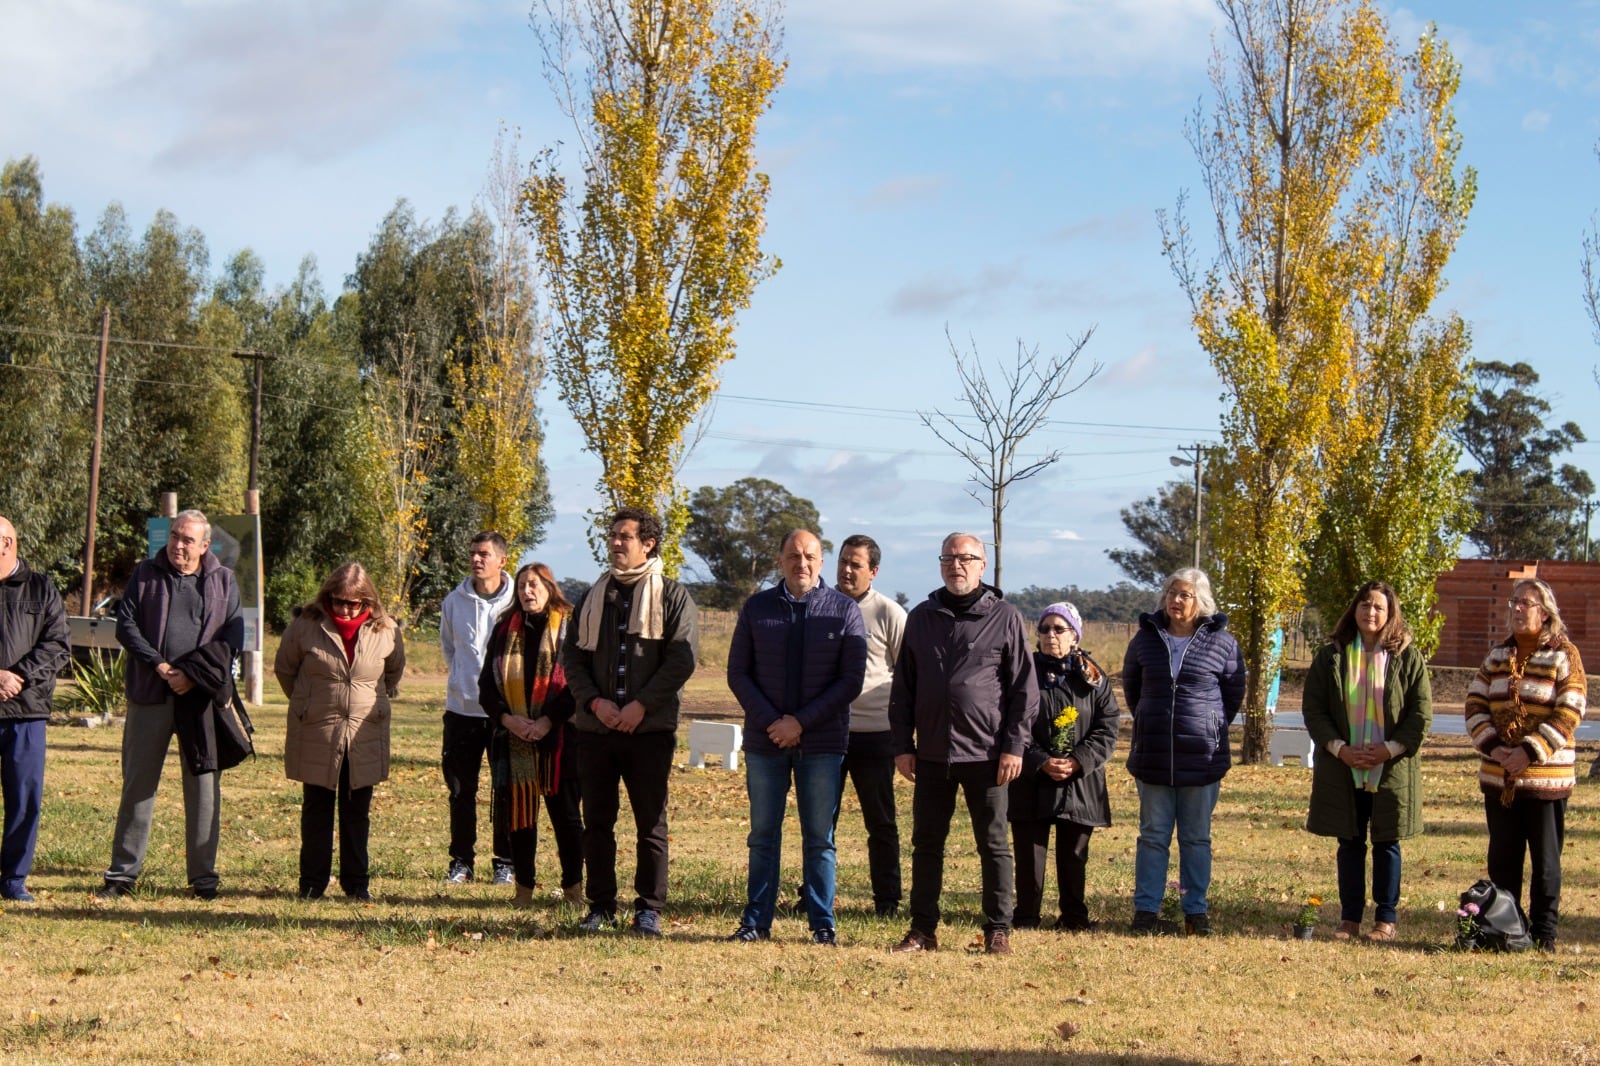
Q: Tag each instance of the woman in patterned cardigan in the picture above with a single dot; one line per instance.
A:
(1522, 710)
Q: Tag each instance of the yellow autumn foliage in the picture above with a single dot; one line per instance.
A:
(647, 266)
(1315, 155)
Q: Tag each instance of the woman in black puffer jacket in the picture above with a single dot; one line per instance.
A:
(1063, 780)
(1183, 680)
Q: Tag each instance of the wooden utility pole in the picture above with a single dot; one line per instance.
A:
(259, 358)
(94, 462)
(252, 664)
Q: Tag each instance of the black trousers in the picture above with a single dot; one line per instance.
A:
(566, 822)
(1536, 828)
(1032, 840)
(641, 763)
(933, 803)
(466, 742)
(869, 764)
(317, 808)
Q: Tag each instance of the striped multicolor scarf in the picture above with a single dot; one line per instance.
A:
(535, 769)
(1363, 700)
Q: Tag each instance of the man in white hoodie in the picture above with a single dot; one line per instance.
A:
(466, 618)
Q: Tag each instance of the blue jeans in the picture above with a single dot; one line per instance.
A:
(1161, 807)
(816, 791)
(1352, 866)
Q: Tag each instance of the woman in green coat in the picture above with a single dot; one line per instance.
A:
(1368, 706)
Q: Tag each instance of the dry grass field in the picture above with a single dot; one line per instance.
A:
(434, 974)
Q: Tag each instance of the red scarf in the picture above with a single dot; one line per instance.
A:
(348, 629)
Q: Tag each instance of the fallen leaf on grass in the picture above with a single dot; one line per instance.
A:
(1381, 993)
(1415, 1058)
(1067, 1030)
(1079, 1001)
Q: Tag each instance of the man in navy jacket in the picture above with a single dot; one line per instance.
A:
(798, 657)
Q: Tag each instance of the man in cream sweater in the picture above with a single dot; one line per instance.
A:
(869, 762)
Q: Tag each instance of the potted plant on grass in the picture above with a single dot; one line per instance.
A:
(1305, 923)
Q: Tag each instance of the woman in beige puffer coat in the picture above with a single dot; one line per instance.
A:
(339, 662)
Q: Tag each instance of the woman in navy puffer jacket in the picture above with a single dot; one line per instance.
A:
(1183, 680)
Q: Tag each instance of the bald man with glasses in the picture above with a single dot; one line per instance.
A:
(961, 709)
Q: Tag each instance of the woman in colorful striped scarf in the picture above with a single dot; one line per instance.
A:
(1368, 705)
(1522, 710)
(532, 756)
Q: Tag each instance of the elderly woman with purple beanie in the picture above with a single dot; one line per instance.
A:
(1063, 780)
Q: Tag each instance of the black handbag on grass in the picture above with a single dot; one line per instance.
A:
(1490, 920)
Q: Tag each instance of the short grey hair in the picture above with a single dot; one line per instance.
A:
(192, 515)
(982, 550)
(1198, 580)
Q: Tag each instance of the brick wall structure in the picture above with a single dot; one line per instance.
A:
(1473, 596)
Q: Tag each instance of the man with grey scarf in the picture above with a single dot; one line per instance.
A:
(626, 659)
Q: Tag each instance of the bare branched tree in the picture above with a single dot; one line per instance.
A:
(1591, 275)
(1006, 409)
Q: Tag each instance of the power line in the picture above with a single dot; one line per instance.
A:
(915, 416)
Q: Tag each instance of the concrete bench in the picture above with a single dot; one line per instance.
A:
(715, 738)
(1291, 744)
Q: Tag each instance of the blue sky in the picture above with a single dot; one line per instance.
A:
(992, 169)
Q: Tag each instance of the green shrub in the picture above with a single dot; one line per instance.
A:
(289, 587)
(97, 686)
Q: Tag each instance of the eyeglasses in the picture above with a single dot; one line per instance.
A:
(959, 560)
(1054, 631)
(1180, 597)
(354, 605)
(1526, 605)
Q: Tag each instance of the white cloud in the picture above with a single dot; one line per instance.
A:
(1129, 224)
(1064, 534)
(898, 192)
(221, 84)
(1138, 368)
(1080, 37)
(1536, 121)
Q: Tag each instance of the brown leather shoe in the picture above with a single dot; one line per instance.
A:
(1380, 931)
(997, 943)
(1347, 931)
(916, 940)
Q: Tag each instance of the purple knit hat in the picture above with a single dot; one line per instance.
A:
(1067, 613)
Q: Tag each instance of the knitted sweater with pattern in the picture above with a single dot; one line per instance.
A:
(1535, 701)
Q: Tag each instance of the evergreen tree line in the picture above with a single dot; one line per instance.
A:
(378, 402)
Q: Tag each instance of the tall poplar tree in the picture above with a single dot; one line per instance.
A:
(499, 440)
(1310, 103)
(648, 266)
(1396, 508)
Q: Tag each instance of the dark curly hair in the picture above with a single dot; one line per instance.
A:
(649, 525)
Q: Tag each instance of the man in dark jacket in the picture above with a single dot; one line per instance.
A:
(798, 657)
(627, 655)
(961, 708)
(33, 647)
(175, 601)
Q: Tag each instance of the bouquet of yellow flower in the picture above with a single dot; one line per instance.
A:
(1062, 733)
